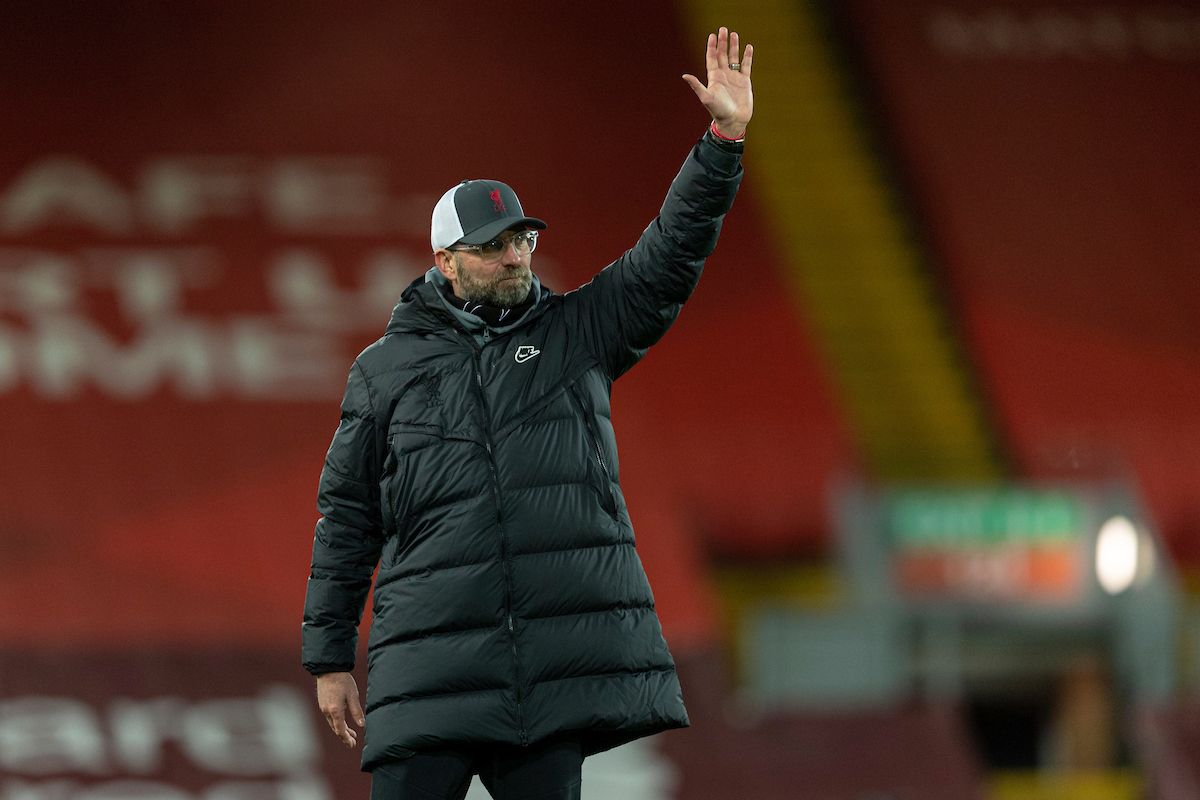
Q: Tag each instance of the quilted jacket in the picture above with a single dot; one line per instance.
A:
(478, 471)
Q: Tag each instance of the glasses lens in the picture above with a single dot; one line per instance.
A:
(492, 249)
(525, 242)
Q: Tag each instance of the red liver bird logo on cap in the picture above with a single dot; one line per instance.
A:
(496, 201)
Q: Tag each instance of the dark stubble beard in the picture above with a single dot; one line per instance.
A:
(497, 292)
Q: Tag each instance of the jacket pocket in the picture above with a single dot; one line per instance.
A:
(403, 444)
(430, 469)
(388, 488)
(597, 453)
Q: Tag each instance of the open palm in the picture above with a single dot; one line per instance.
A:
(728, 96)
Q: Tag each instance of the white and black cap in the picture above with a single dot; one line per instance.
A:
(475, 212)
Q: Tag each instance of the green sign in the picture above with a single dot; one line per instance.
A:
(939, 519)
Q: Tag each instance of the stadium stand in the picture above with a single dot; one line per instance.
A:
(964, 251)
(1047, 154)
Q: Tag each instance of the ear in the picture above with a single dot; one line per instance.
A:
(444, 260)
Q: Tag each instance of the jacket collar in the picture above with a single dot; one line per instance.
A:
(423, 309)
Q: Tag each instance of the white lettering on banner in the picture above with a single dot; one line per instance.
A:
(271, 734)
(302, 788)
(43, 735)
(46, 790)
(321, 195)
(178, 192)
(285, 365)
(1170, 34)
(298, 349)
(302, 286)
(295, 353)
(326, 195)
(139, 729)
(65, 191)
(267, 735)
(250, 358)
(46, 283)
(130, 790)
(149, 289)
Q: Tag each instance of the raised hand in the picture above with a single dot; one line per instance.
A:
(728, 96)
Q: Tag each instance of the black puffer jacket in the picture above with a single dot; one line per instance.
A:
(481, 477)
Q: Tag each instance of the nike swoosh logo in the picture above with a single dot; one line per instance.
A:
(525, 352)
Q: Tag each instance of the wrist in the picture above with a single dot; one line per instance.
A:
(728, 132)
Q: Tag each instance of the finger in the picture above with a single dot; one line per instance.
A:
(356, 712)
(722, 47)
(697, 87)
(747, 60)
(733, 47)
(337, 721)
(710, 53)
(341, 729)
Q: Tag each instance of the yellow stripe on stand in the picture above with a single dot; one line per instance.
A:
(850, 257)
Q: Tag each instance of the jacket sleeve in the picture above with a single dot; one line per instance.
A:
(632, 302)
(349, 535)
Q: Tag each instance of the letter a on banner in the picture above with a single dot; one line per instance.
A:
(65, 191)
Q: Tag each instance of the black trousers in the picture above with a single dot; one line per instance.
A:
(545, 771)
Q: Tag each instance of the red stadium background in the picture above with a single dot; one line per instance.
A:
(207, 212)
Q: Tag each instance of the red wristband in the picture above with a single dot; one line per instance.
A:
(717, 134)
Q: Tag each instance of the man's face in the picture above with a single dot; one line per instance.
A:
(503, 283)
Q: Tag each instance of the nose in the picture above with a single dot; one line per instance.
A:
(511, 256)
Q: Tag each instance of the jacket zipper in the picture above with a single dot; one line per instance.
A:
(512, 635)
(391, 466)
(595, 440)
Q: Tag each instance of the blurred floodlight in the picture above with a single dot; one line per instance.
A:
(1117, 555)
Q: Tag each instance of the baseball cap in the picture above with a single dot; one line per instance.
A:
(475, 212)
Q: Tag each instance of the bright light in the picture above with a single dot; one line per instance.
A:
(1117, 555)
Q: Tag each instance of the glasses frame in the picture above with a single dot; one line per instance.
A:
(529, 236)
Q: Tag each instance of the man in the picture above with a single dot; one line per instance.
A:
(475, 464)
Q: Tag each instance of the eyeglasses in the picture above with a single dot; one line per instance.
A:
(524, 242)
